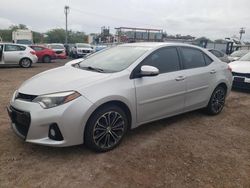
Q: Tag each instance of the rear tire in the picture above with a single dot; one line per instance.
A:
(25, 63)
(105, 128)
(46, 59)
(217, 101)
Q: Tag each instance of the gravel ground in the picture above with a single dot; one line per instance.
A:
(189, 150)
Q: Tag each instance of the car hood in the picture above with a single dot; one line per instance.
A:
(240, 66)
(64, 78)
(231, 58)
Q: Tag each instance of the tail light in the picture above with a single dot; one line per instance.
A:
(33, 52)
(229, 68)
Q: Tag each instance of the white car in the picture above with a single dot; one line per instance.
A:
(97, 99)
(237, 55)
(81, 49)
(16, 54)
(241, 72)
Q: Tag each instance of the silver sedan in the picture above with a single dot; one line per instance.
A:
(97, 99)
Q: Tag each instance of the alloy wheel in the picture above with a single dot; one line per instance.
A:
(108, 129)
(218, 100)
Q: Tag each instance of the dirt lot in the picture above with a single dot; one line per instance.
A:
(190, 150)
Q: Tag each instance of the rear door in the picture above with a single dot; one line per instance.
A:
(199, 73)
(162, 95)
(13, 53)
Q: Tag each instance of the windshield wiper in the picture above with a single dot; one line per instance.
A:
(93, 69)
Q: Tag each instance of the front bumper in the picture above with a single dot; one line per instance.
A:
(70, 118)
(241, 81)
(61, 56)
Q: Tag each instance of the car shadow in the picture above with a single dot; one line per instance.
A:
(17, 66)
(241, 90)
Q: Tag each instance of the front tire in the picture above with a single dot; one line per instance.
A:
(46, 59)
(25, 63)
(217, 101)
(105, 128)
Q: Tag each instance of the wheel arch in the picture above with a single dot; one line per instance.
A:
(25, 58)
(118, 103)
(224, 85)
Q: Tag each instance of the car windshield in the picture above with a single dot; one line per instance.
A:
(114, 59)
(239, 53)
(83, 46)
(245, 57)
(54, 46)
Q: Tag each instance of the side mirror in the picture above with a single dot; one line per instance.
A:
(147, 70)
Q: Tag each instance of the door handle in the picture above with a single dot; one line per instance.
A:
(180, 78)
(213, 71)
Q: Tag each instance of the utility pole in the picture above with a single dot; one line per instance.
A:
(66, 11)
(242, 31)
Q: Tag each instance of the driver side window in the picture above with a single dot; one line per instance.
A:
(165, 59)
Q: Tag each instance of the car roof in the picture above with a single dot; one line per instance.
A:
(157, 44)
(13, 44)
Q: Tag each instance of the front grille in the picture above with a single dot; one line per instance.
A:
(246, 75)
(21, 119)
(85, 51)
(25, 97)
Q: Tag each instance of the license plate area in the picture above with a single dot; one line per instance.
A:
(239, 79)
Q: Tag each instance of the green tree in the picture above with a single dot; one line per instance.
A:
(55, 36)
(202, 39)
(6, 35)
(20, 26)
(58, 36)
(38, 37)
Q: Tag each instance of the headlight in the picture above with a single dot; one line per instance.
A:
(56, 99)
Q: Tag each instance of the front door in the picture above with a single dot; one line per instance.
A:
(162, 95)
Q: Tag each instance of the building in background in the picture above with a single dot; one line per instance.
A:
(133, 34)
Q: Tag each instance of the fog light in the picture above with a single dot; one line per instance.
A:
(52, 132)
(55, 133)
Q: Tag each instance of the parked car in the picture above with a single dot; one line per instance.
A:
(58, 49)
(81, 49)
(97, 99)
(16, 54)
(237, 55)
(241, 72)
(222, 56)
(44, 54)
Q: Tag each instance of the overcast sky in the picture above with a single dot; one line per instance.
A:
(212, 18)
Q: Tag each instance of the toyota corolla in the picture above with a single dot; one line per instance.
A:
(97, 99)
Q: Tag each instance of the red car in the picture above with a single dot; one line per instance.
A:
(44, 54)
